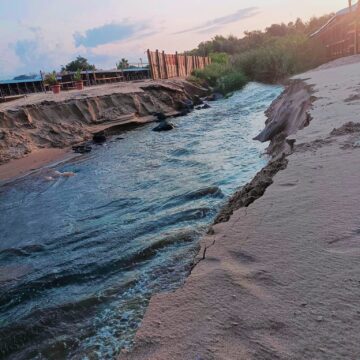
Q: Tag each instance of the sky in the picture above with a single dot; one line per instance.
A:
(45, 34)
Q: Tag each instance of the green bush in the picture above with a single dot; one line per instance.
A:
(77, 75)
(219, 58)
(211, 73)
(275, 60)
(231, 82)
(51, 78)
(279, 59)
(195, 80)
(267, 65)
(220, 75)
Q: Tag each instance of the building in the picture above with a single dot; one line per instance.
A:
(16, 87)
(341, 34)
(21, 86)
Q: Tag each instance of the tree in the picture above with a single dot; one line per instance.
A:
(122, 64)
(80, 63)
(277, 30)
(25, 77)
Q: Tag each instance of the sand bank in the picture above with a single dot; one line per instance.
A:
(47, 121)
(280, 279)
(33, 161)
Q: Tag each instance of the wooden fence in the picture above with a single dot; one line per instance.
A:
(341, 34)
(165, 66)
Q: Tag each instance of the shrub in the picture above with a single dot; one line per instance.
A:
(197, 81)
(51, 78)
(77, 75)
(279, 59)
(219, 58)
(231, 82)
(211, 73)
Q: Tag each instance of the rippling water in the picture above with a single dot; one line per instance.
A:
(81, 256)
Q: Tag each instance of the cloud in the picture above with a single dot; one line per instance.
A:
(113, 32)
(31, 55)
(36, 53)
(215, 24)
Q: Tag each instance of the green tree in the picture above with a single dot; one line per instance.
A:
(122, 64)
(80, 63)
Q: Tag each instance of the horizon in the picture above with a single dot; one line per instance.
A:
(38, 36)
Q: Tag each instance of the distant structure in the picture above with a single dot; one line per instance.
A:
(16, 87)
(341, 34)
(21, 86)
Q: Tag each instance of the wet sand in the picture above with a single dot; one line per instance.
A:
(37, 159)
(280, 279)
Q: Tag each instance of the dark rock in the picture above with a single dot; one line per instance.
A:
(119, 138)
(186, 105)
(214, 97)
(197, 100)
(206, 106)
(160, 116)
(99, 138)
(181, 113)
(82, 149)
(164, 126)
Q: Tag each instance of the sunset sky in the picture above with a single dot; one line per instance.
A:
(43, 34)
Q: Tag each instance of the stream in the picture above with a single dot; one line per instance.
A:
(80, 257)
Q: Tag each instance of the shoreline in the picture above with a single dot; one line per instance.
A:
(38, 159)
(268, 282)
(48, 157)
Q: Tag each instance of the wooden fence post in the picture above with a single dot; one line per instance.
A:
(158, 63)
(42, 82)
(165, 65)
(177, 64)
(150, 64)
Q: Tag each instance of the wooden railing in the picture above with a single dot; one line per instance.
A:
(165, 66)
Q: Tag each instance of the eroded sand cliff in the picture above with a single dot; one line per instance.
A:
(52, 121)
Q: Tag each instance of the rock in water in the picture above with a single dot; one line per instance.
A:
(214, 97)
(185, 105)
(164, 126)
(188, 104)
(182, 113)
(205, 106)
(99, 138)
(82, 149)
(160, 116)
(197, 100)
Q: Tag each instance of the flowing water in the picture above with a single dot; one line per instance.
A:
(80, 257)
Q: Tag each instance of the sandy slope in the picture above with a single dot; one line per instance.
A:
(281, 279)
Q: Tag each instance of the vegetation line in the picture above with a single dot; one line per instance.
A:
(268, 56)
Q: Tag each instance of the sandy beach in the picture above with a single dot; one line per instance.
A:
(280, 279)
